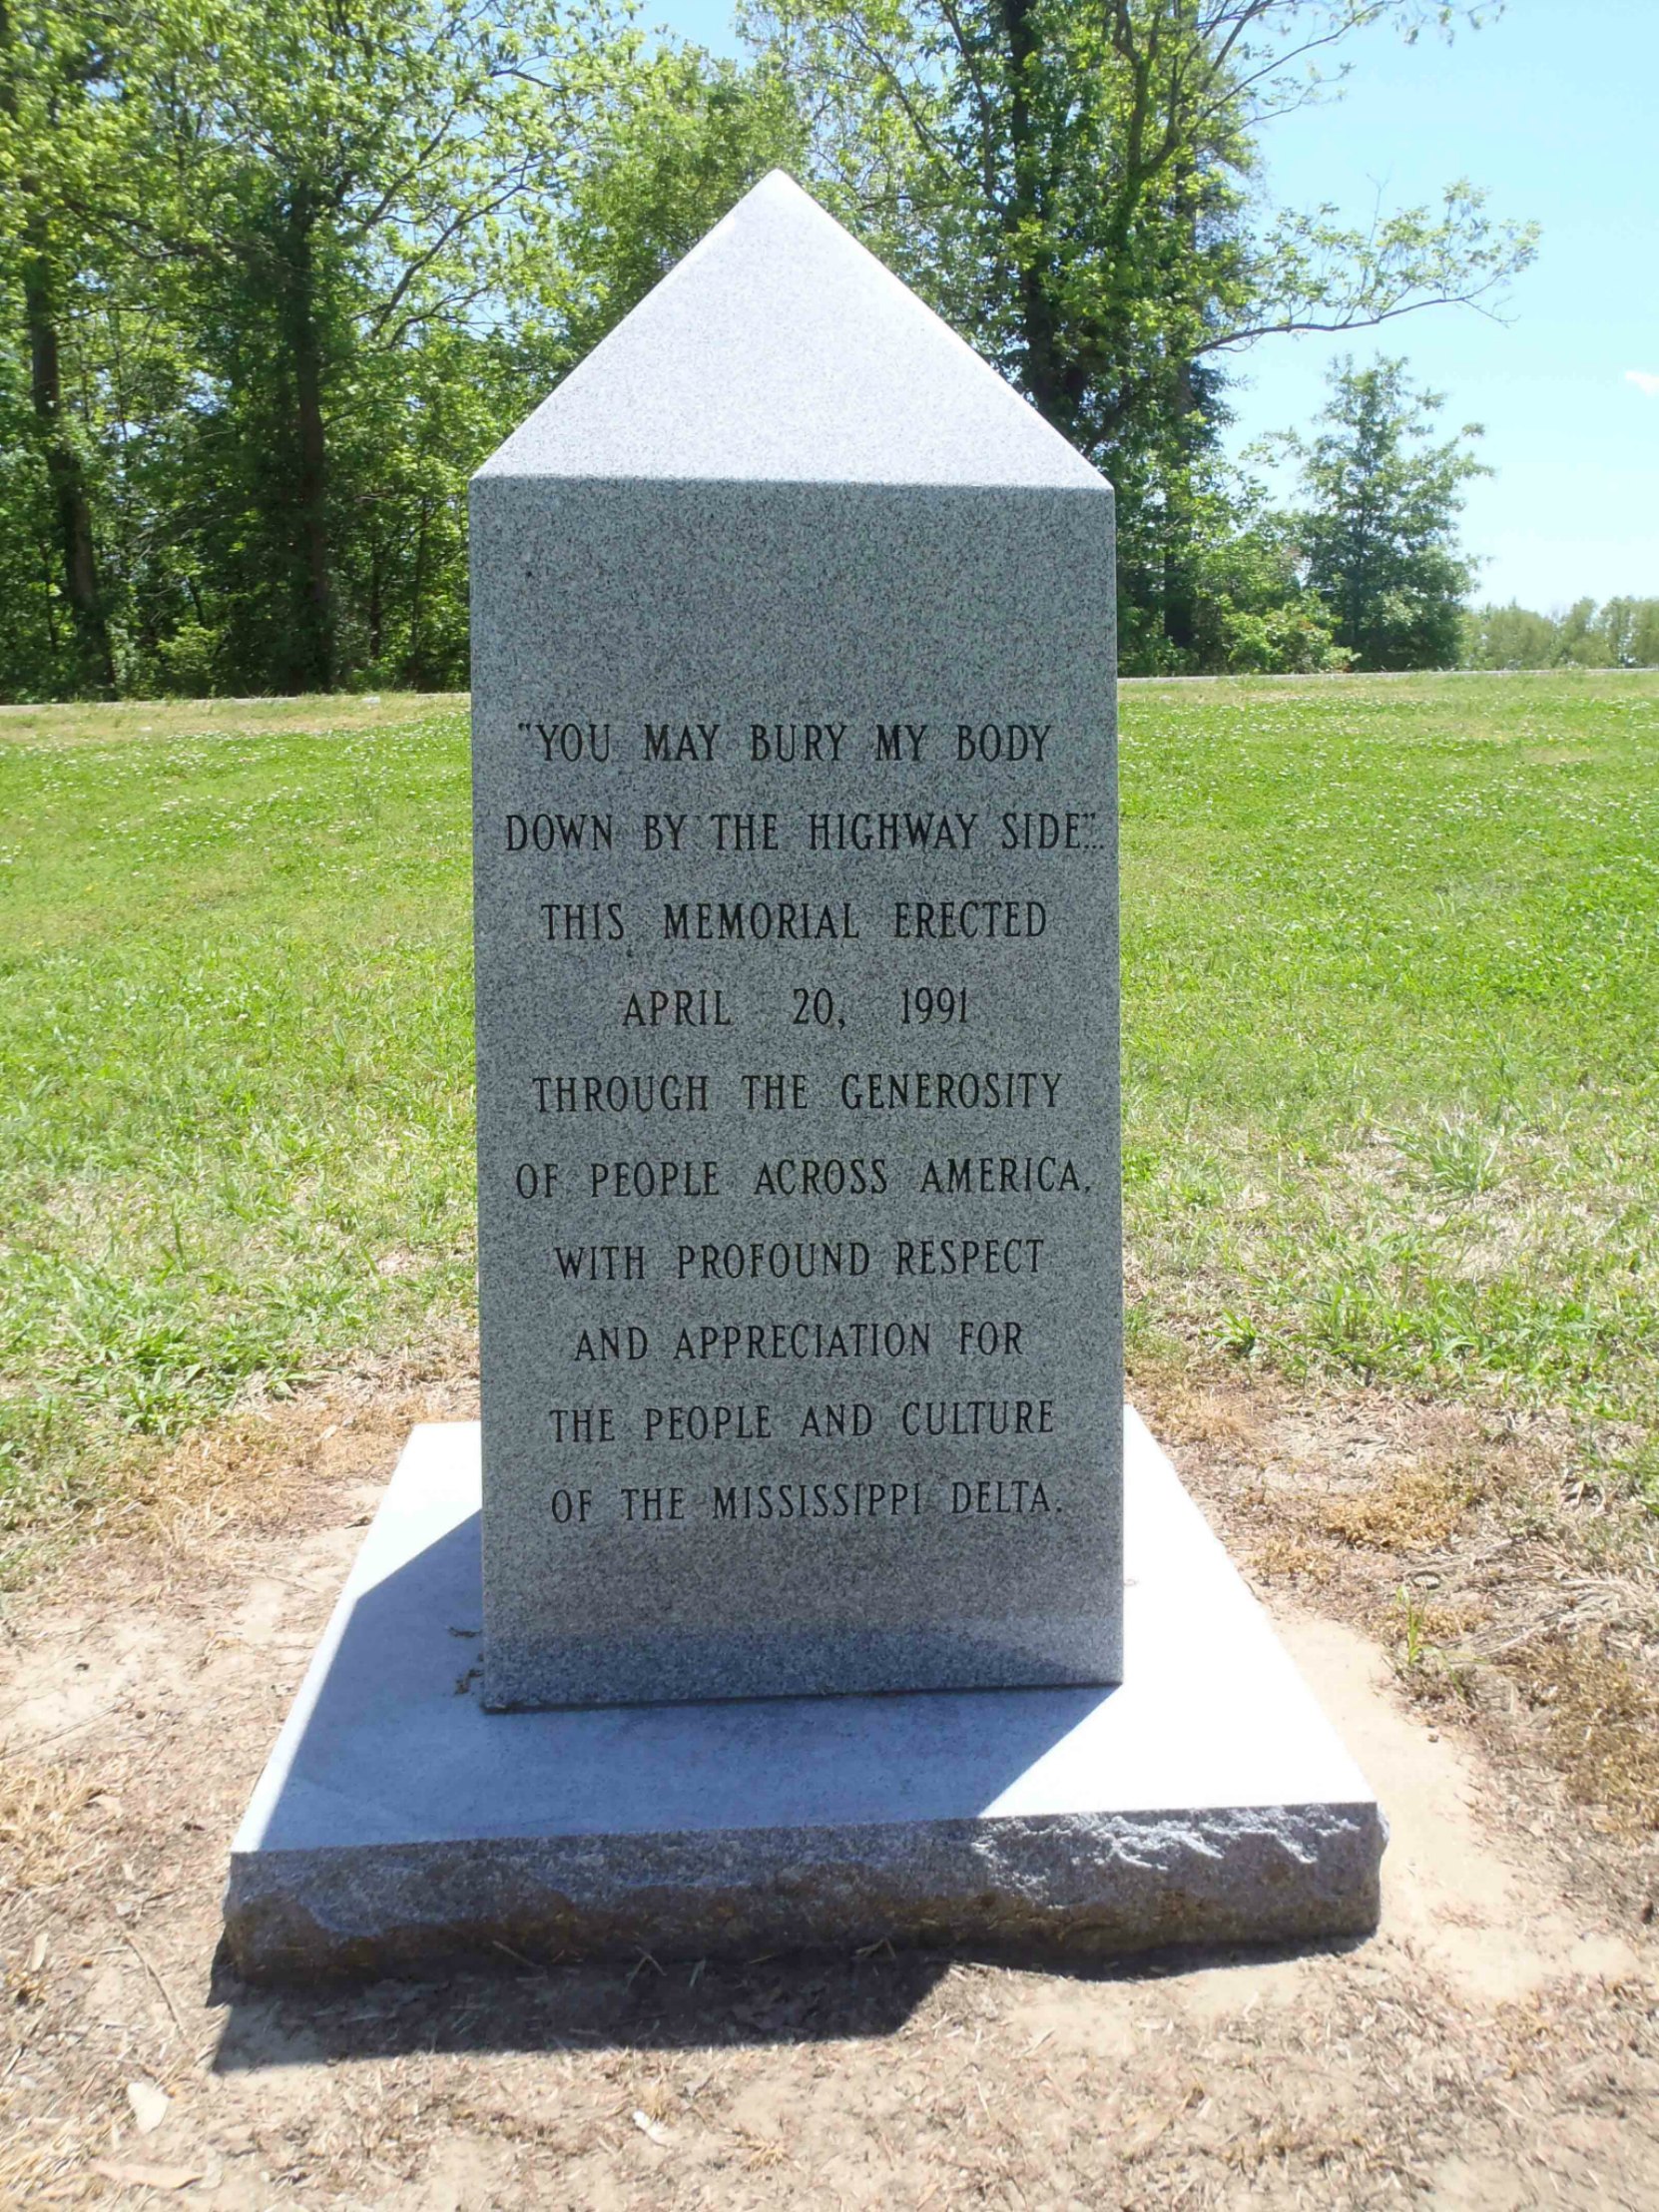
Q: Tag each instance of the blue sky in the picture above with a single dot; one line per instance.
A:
(1554, 108)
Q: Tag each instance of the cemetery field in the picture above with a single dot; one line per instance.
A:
(1392, 1178)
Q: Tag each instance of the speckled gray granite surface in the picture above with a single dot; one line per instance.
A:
(780, 350)
(799, 1308)
(399, 1824)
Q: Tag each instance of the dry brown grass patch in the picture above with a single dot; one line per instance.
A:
(248, 1466)
(1446, 1622)
(1283, 1557)
(254, 1466)
(1413, 1508)
(1602, 1725)
(1210, 1417)
(39, 1806)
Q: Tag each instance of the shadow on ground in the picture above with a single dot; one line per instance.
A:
(815, 1997)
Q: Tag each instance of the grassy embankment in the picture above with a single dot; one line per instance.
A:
(1392, 1003)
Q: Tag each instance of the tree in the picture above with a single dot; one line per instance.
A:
(1254, 613)
(1507, 638)
(321, 193)
(273, 280)
(1071, 187)
(49, 61)
(293, 273)
(1624, 633)
(1580, 640)
(1379, 534)
(1631, 628)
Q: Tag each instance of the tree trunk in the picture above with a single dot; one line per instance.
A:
(415, 665)
(312, 664)
(1052, 384)
(76, 561)
(376, 611)
(49, 598)
(65, 472)
(1180, 595)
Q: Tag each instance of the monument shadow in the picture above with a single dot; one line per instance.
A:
(516, 2007)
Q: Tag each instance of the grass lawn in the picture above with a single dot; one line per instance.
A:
(1392, 1001)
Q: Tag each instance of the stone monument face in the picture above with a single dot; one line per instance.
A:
(796, 996)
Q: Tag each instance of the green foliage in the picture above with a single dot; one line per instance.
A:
(52, 134)
(1623, 632)
(1252, 614)
(298, 284)
(1630, 629)
(1379, 534)
(279, 279)
(1507, 636)
(1070, 187)
(341, 191)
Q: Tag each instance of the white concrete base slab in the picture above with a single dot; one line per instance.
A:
(398, 1825)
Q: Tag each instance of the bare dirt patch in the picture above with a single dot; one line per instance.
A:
(1497, 2045)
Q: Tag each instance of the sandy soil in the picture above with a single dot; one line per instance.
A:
(1497, 2045)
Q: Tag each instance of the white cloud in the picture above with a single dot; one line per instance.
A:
(1644, 380)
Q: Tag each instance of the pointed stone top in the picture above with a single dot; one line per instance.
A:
(779, 350)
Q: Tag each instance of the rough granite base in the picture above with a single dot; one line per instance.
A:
(398, 1825)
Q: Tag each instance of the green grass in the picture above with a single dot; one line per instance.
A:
(1391, 1008)
(235, 1111)
(1392, 1001)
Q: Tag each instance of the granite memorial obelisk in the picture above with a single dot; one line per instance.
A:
(796, 954)
(796, 935)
